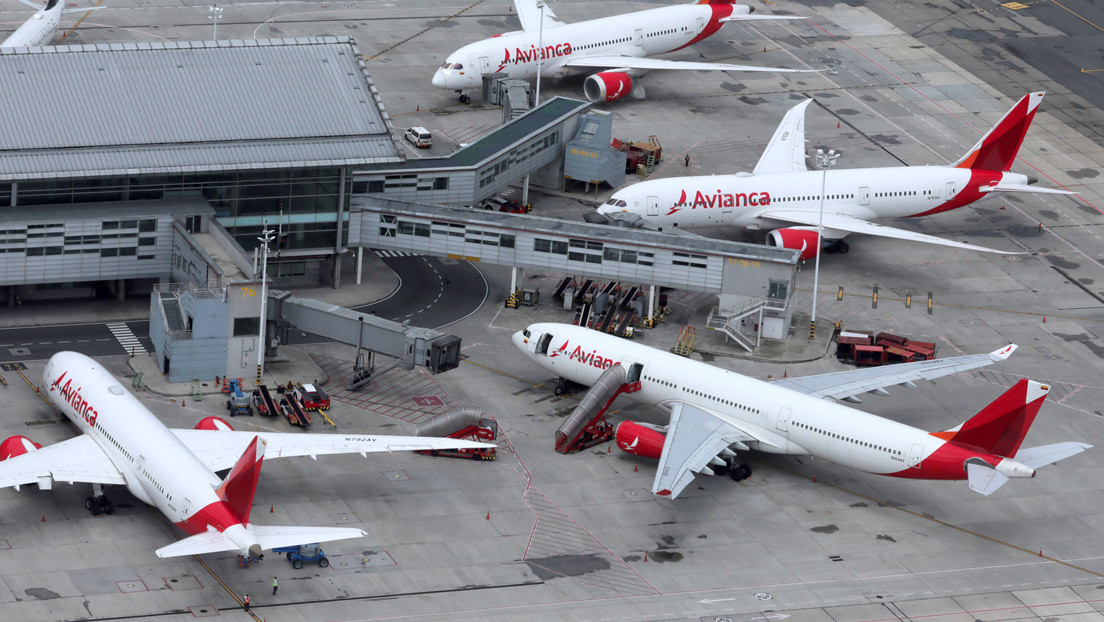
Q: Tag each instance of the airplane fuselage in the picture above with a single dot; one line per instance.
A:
(740, 200)
(790, 422)
(159, 469)
(40, 29)
(640, 34)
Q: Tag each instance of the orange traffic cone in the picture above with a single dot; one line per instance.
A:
(786, 373)
(1044, 319)
(182, 402)
(635, 469)
(488, 516)
(645, 557)
(271, 509)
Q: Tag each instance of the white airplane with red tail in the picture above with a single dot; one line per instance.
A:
(782, 196)
(41, 28)
(620, 45)
(124, 444)
(716, 413)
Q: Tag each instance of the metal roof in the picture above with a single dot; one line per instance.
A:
(114, 109)
(180, 206)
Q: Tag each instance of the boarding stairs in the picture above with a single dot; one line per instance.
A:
(586, 426)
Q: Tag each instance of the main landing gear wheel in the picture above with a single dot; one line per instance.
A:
(740, 472)
(722, 470)
(99, 505)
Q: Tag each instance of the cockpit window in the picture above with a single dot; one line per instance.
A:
(612, 201)
(526, 333)
(621, 203)
(452, 66)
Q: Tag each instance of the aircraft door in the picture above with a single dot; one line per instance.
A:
(638, 37)
(915, 456)
(951, 190)
(864, 196)
(484, 65)
(542, 344)
(635, 372)
(185, 505)
(701, 24)
(783, 422)
(653, 206)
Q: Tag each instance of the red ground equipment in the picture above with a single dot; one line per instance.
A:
(311, 397)
(465, 423)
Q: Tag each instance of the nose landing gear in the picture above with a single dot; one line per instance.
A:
(464, 98)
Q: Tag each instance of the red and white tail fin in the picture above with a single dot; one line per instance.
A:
(238, 488)
(1000, 427)
(996, 151)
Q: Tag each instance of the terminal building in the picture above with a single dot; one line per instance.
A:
(150, 180)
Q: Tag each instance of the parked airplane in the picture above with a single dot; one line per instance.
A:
(123, 443)
(41, 28)
(715, 411)
(620, 44)
(781, 193)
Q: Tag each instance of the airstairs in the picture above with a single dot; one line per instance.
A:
(586, 426)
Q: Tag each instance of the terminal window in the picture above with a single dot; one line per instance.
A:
(246, 326)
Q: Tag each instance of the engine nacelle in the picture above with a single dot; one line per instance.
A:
(214, 423)
(17, 446)
(797, 238)
(638, 440)
(607, 86)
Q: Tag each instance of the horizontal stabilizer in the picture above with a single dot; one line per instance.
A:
(208, 542)
(272, 537)
(1036, 457)
(748, 18)
(1023, 188)
(984, 478)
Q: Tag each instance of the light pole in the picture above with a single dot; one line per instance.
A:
(826, 161)
(215, 16)
(266, 237)
(536, 101)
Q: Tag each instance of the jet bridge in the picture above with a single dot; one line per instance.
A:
(409, 345)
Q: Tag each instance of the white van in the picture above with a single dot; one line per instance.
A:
(419, 137)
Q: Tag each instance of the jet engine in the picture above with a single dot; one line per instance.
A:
(639, 440)
(607, 86)
(17, 446)
(214, 423)
(796, 238)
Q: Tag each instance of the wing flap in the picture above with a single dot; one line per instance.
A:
(78, 459)
(632, 62)
(844, 384)
(850, 224)
(785, 153)
(221, 449)
(694, 438)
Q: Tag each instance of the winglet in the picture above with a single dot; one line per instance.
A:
(1003, 353)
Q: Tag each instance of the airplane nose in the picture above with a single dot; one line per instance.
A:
(516, 338)
(439, 79)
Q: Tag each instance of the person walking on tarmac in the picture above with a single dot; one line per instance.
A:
(275, 585)
(245, 603)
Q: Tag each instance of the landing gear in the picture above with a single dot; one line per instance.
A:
(739, 471)
(839, 246)
(464, 98)
(565, 387)
(98, 503)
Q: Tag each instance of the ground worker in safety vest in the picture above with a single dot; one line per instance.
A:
(245, 603)
(275, 585)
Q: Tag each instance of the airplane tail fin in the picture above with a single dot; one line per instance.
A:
(238, 488)
(1000, 427)
(998, 148)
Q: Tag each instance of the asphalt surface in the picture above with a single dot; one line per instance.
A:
(434, 292)
(42, 342)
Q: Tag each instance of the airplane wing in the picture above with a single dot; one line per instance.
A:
(221, 449)
(694, 439)
(785, 153)
(632, 62)
(529, 13)
(843, 222)
(78, 459)
(848, 384)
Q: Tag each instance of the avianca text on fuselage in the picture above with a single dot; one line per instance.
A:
(531, 55)
(73, 397)
(591, 358)
(721, 199)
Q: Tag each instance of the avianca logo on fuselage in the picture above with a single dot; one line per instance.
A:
(591, 358)
(75, 400)
(530, 55)
(720, 199)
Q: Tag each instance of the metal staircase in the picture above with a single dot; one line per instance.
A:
(729, 321)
